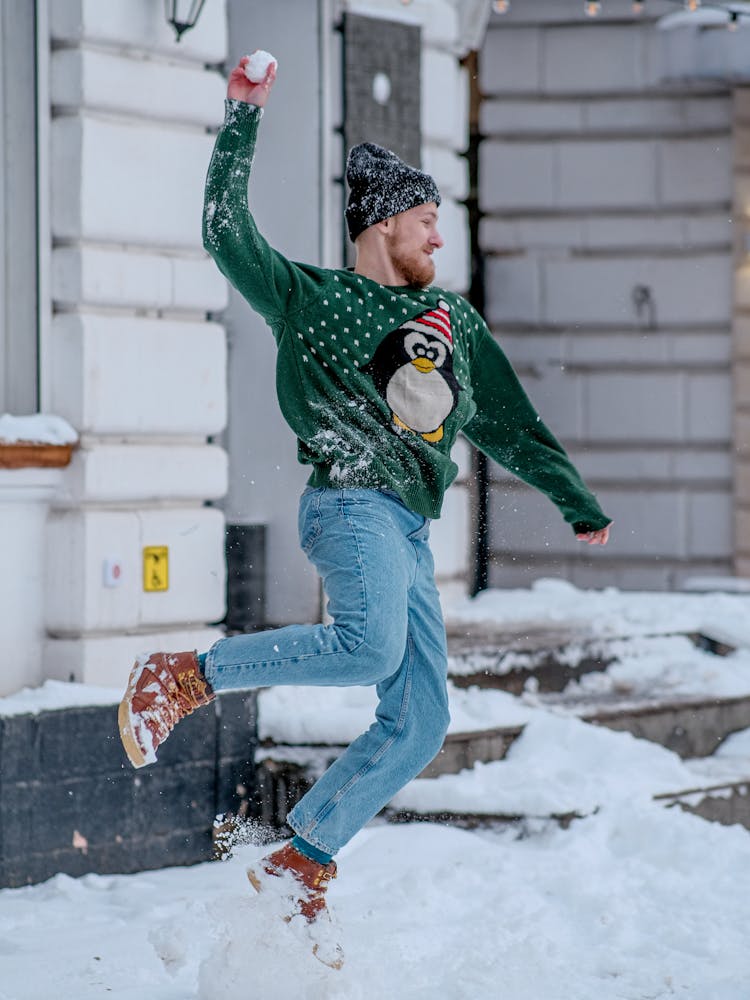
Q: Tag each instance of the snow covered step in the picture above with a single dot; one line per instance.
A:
(285, 772)
(543, 659)
(547, 657)
(664, 688)
(302, 730)
(320, 717)
(727, 803)
(689, 727)
(561, 769)
(558, 605)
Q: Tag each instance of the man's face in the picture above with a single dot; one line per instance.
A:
(412, 241)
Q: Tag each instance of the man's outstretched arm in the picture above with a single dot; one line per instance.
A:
(508, 429)
(273, 285)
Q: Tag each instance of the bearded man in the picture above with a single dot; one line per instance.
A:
(377, 372)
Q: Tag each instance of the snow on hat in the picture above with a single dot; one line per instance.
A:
(436, 322)
(382, 185)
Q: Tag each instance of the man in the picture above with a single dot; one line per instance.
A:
(377, 372)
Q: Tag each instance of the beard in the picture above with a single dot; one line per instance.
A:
(414, 266)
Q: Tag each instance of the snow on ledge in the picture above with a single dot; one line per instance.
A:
(551, 603)
(55, 695)
(41, 428)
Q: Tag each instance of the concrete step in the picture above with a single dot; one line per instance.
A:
(690, 727)
(284, 784)
(727, 803)
(548, 658)
(549, 668)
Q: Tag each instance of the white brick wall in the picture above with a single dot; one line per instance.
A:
(104, 81)
(129, 182)
(136, 278)
(98, 659)
(741, 334)
(132, 473)
(594, 180)
(624, 116)
(138, 27)
(607, 173)
(685, 291)
(127, 375)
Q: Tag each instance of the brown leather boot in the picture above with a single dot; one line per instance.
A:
(313, 878)
(162, 689)
(309, 887)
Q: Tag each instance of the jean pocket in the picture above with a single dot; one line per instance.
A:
(422, 532)
(309, 523)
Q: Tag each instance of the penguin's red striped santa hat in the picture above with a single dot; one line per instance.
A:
(436, 322)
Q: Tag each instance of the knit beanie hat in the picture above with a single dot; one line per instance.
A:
(382, 185)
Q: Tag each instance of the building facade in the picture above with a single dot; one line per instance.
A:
(610, 185)
(115, 319)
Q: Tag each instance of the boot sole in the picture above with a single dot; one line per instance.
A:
(256, 884)
(135, 755)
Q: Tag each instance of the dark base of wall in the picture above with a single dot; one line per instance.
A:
(71, 802)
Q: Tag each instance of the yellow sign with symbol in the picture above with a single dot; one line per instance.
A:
(156, 567)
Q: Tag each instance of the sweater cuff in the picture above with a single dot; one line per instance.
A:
(240, 112)
(584, 527)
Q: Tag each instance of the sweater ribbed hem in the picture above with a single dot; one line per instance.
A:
(417, 499)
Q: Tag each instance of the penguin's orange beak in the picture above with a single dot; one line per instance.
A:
(423, 365)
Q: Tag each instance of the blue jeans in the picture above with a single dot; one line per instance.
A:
(373, 556)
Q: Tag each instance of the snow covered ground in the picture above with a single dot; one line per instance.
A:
(634, 901)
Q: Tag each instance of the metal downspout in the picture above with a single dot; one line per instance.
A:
(479, 486)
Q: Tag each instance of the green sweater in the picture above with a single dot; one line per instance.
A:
(377, 381)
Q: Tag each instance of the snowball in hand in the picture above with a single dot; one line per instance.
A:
(257, 67)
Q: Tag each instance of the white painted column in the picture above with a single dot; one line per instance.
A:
(25, 495)
(130, 356)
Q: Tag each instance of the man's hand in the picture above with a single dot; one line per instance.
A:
(599, 537)
(242, 89)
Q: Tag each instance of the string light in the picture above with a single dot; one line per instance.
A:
(593, 8)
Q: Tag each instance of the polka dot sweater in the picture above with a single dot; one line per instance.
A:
(377, 381)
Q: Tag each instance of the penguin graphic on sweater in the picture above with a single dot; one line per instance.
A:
(412, 369)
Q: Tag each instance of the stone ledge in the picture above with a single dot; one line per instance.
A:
(70, 802)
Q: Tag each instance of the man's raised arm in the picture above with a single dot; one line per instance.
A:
(273, 285)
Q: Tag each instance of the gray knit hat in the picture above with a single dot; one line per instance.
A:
(382, 185)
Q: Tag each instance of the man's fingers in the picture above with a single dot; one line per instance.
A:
(600, 537)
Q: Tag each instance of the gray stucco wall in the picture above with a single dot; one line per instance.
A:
(607, 235)
(266, 479)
